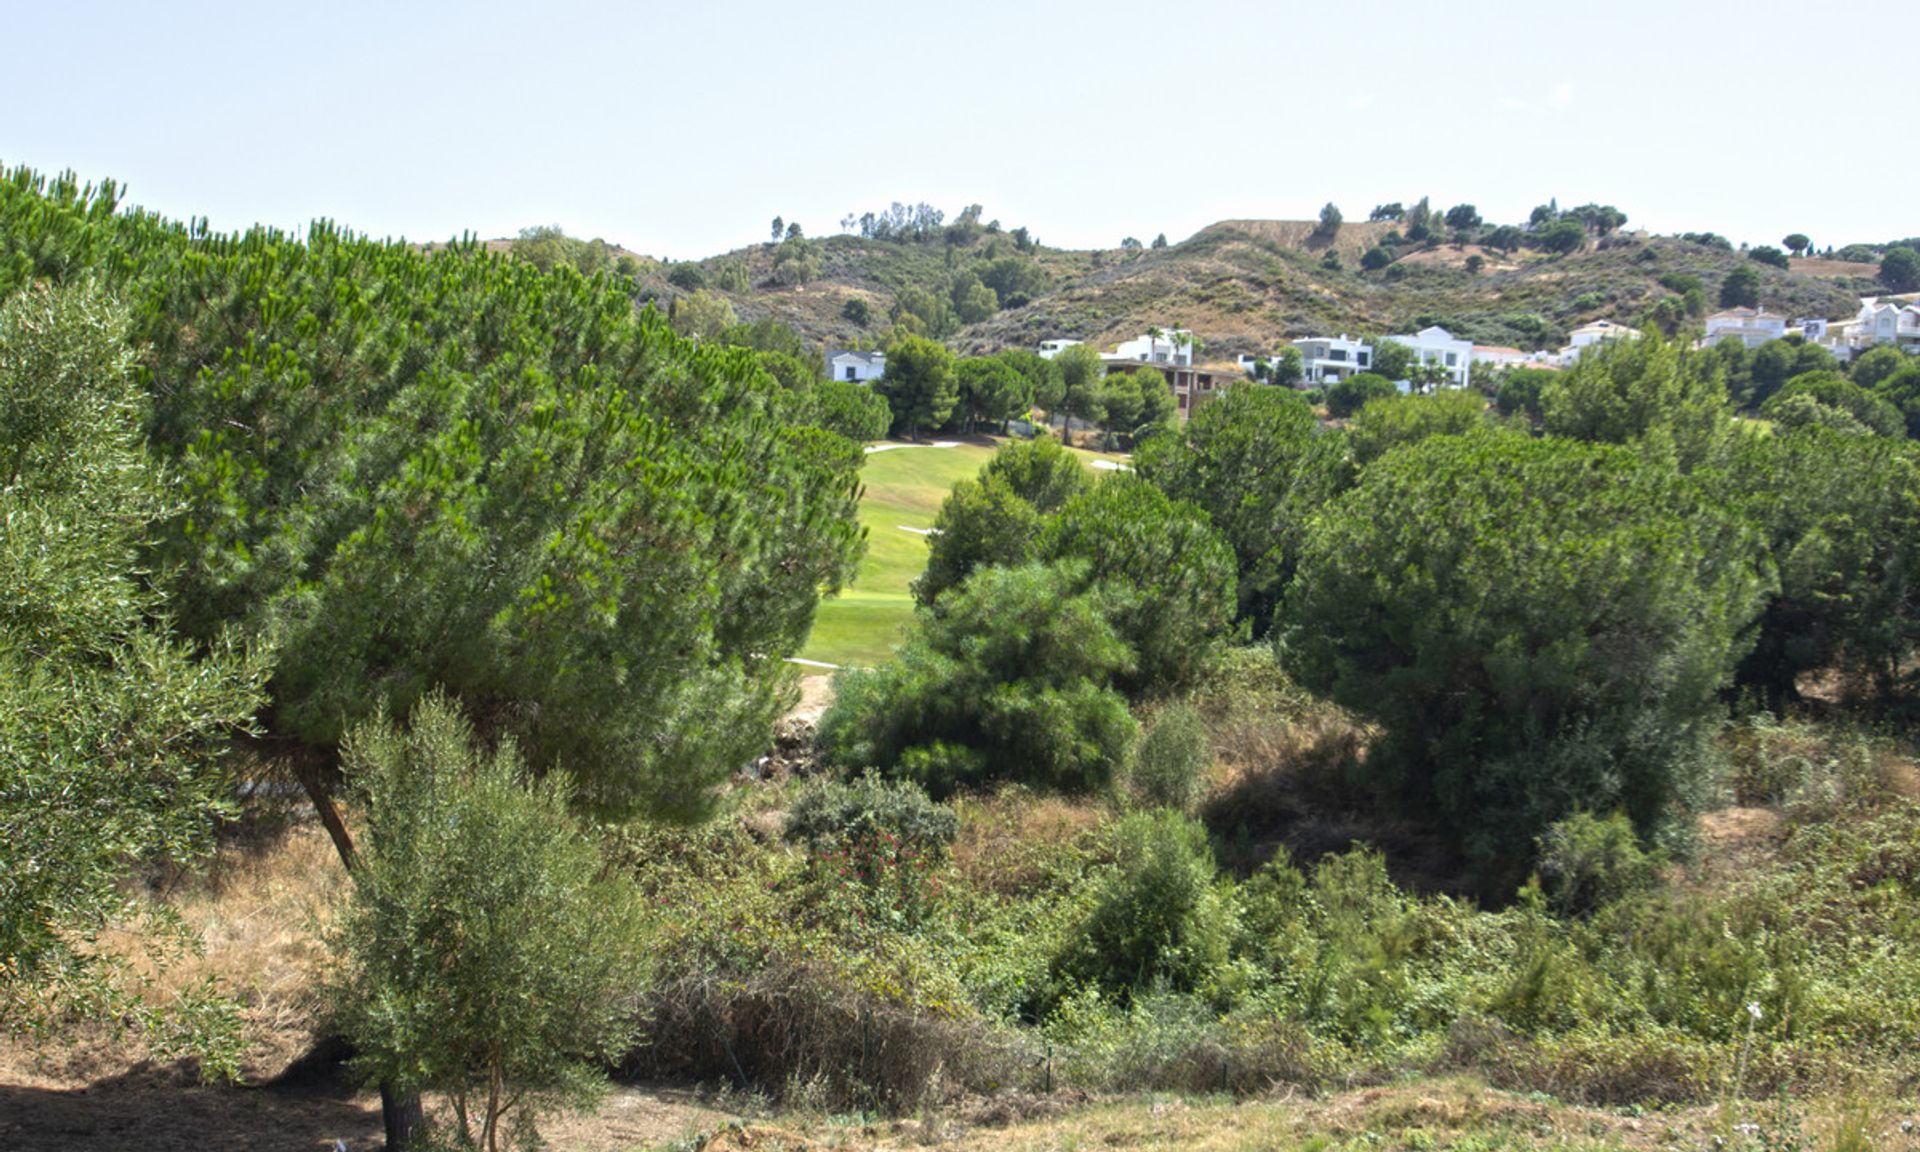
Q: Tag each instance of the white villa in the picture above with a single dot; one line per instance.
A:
(1588, 335)
(1051, 348)
(1331, 359)
(862, 367)
(1880, 322)
(1438, 347)
(1752, 327)
(1173, 347)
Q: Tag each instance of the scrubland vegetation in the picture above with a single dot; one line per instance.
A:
(1548, 746)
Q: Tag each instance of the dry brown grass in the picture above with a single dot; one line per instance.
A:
(1007, 841)
(1353, 238)
(258, 913)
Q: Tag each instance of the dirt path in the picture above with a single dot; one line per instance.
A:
(160, 1111)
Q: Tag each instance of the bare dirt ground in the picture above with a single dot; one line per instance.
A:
(816, 696)
(163, 1110)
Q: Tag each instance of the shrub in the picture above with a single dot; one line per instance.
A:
(1348, 396)
(1156, 918)
(1393, 421)
(1008, 677)
(1520, 391)
(484, 951)
(1169, 766)
(831, 810)
(1587, 862)
(1164, 576)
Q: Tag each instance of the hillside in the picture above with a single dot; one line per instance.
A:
(1246, 285)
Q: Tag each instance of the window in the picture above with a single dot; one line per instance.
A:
(850, 373)
(1337, 354)
(1361, 359)
(1452, 359)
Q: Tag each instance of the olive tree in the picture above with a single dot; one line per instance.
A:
(484, 950)
(111, 730)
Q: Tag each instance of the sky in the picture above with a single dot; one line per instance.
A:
(679, 130)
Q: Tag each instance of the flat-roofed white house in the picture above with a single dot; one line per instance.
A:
(1437, 347)
(861, 367)
(1331, 359)
(1751, 326)
(1051, 348)
(1589, 335)
(1174, 347)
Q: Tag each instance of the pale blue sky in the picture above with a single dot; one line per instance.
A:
(680, 129)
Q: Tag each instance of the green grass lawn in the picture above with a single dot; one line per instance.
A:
(904, 488)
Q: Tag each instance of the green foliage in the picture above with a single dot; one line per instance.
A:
(869, 806)
(1006, 678)
(1156, 918)
(1839, 515)
(1770, 256)
(549, 247)
(1875, 365)
(687, 277)
(484, 952)
(996, 519)
(1589, 862)
(919, 384)
(1082, 391)
(845, 408)
(111, 731)
(1286, 370)
(703, 315)
(1014, 280)
(1256, 461)
(1538, 625)
(406, 469)
(1044, 387)
(1392, 421)
(796, 261)
(1656, 394)
(1170, 765)
(1520, 390)
(1164, 576)
(1374, 259)
(972, 300)
(1797, 243)
(857, 311)
(1741, 288)
(1562, 237)
(1330, 221)
(1900, 270)
(1768, 368)
(990, 391)
(1391, 359)
(924, 313)
(881, 840)
(1831, 400)
(1345, 397)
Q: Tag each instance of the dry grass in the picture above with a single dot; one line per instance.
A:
(258, 914)
(1008, 841)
